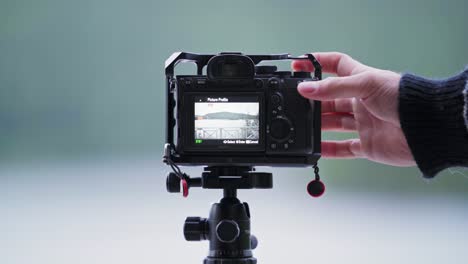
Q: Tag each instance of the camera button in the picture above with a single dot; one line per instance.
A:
(258, 83)
(275, 99)
(273, 83)
(285, 146)
(188, 82)
(273, 146)
(201, 83)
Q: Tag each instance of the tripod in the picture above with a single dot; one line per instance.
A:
(228, 226)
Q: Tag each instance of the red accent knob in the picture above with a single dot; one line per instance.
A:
(316, 188)
(185, 188)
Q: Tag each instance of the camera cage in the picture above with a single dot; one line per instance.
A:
(201, 61)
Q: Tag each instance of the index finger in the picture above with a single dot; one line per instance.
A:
(332, 62)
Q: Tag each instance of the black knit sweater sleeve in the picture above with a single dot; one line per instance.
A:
(434, 119)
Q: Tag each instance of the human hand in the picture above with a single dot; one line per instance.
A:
(362, 99)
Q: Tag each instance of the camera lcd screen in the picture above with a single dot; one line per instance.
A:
(226, 120)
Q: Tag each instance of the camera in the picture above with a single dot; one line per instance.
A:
(239, 111)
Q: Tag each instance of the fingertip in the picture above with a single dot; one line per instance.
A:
(301, 65)
(307, 89)
(308, 86)
(296, 65)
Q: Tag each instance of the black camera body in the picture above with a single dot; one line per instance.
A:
(239, 113)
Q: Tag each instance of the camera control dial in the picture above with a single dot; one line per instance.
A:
(280, 128)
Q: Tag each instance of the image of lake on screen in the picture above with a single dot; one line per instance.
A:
(226, 120)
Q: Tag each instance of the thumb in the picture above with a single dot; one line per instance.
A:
(359, 86)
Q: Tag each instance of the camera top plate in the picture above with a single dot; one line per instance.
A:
(201, 60)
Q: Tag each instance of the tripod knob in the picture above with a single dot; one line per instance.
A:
(253, 242)
(173, 183)
(195, 229)
(227, 231)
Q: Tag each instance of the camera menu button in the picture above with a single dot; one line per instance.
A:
(273, 83)
(201, 83)
(258, 83)
(275, 99)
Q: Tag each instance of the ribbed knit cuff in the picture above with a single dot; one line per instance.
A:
(465, 92)
(432, 117)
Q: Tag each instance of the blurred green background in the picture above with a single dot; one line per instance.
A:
(83, 80)
(81, 132)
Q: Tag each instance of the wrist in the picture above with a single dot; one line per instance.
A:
(431, 117)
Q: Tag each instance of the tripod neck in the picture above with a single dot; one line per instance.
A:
(230, 193)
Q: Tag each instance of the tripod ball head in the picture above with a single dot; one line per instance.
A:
(228, 230)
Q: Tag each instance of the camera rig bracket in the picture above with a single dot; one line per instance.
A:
(201, 60)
